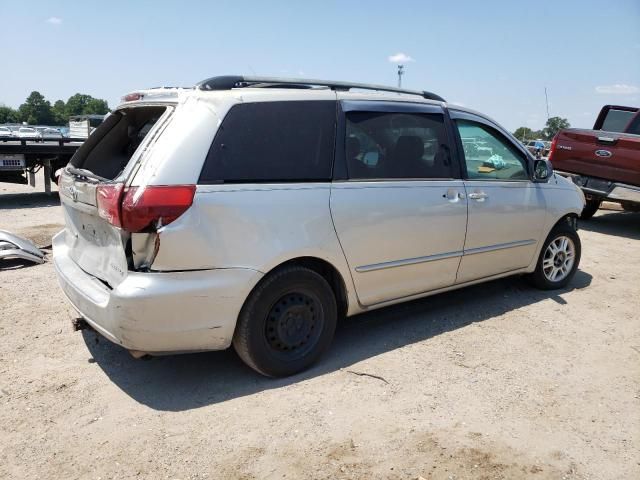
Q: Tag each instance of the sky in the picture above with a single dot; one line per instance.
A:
(493, 56)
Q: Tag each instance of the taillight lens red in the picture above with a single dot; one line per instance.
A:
(143, 209)
(132, 97)
(148, 208)
(552, 150)
(108, 200)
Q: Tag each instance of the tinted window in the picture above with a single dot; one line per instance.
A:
(273, 141)
(490, 155)
(634, 126)
(616, 120)
(396, 145)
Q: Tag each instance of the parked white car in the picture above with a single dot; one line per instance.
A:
(50, 133)
(5, 132)
(28, 133)
(258, 212)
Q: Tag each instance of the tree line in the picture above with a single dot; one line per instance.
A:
(37, 110)
(553, 126)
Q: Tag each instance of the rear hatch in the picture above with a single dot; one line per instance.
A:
(92, 185)
(608, 155)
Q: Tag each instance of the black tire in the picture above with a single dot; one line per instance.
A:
(287, 322)
(591, 207)
(538, 277)
(631, 207)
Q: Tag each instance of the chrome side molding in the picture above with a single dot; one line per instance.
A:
(408, 261)
(441, 256)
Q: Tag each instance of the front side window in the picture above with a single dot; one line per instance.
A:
(489, 155)
(396, 145)
(273, 141)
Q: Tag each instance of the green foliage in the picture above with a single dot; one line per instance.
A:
(36, 109)
(8, 115)
(80, 104)
(554, 125)
(525, 134)
(59, 111)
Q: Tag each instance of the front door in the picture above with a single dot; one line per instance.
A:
(506, 209)
(400, 213)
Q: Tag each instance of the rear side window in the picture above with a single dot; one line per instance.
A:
(272, 142)
(396, 145)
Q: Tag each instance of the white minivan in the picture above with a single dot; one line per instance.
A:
(259, 211)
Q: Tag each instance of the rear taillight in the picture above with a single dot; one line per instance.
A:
(108, 198)
(143, 209)
(148, 208)
(132, 97)
(552, 150)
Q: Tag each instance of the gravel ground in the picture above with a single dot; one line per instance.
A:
(494, 381)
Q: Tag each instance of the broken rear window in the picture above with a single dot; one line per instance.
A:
(110, 147)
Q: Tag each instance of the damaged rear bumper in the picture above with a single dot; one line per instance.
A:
(13, 246)
(158, 313)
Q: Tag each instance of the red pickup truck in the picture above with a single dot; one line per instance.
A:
(603, 162)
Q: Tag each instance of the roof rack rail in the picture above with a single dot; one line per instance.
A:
(228, 82)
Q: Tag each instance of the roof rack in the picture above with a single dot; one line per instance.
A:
(228, 82)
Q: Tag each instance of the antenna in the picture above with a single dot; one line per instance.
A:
(400, 73)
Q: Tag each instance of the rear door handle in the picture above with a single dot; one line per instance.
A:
(479, 196)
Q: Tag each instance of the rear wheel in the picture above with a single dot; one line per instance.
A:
(559, 258)
(591, 207)
(287, 322)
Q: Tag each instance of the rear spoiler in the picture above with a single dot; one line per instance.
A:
(159, 94)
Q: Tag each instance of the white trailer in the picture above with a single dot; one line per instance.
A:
(81, 126)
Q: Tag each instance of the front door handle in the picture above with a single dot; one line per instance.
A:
(453, 195)
(479, 196)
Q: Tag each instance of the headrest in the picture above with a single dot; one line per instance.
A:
(409, 147)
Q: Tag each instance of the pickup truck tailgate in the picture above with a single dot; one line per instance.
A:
(613, 156)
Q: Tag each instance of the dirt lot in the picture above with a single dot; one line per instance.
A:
(495, 381)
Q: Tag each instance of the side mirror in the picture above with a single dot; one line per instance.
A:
(542, 170)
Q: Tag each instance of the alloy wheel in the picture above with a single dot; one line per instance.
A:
(559, 258)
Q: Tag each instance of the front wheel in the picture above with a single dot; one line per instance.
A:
(287, 322)
(559, 258)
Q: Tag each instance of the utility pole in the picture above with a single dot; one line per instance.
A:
(400, 73)
(546, 98)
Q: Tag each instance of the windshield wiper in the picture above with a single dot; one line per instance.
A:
(82, 173)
